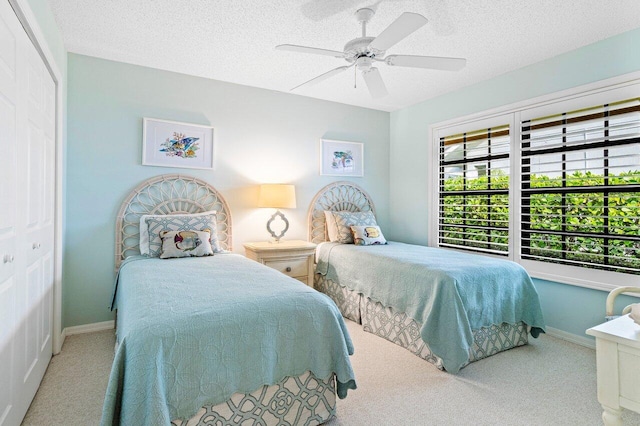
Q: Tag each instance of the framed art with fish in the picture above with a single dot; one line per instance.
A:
(174, 144)
(341, 158)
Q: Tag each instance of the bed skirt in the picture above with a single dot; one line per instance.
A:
(398, 328)
(302, 400)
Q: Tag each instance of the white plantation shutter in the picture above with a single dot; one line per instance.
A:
(474, 190)
(580, 191)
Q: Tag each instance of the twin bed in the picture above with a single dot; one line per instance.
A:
(447, 307)
(218, 339)
(224, 340)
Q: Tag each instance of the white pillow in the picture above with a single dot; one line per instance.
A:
(185, 244)
(152, 225)
(344, 220)
(367, 235)
(330, 225)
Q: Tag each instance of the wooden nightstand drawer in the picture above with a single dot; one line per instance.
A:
(293, 268)
(292, 258)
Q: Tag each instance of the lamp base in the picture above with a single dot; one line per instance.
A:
(286, 226)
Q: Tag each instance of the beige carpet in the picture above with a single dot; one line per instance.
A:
(549, 382)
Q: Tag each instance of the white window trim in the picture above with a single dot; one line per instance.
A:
(582, 277)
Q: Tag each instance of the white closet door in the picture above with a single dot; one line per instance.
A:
(8, 214)
(27, 194)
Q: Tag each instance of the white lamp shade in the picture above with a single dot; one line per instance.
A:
(277, 196)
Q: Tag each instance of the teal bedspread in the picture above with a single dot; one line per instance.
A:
(448, 292)
(194, 331)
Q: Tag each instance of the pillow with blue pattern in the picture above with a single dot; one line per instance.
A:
(152, 225)
(345, 220)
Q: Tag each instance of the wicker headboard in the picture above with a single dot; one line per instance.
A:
(168, 194)
(338, 196)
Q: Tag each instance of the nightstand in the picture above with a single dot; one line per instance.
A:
(617, 367)
(291, 257)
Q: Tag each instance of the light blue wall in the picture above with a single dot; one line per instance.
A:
(260, 136)
(568, 308)
(268, 136)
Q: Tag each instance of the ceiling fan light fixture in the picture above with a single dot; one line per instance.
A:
(363, 63)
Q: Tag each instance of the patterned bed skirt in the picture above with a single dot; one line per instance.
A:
(398, 328)
(302, 400)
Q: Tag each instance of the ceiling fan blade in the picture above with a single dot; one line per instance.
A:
(313, 50)
(374, 83)
(324, 76)
(399, 29)
(431, 62)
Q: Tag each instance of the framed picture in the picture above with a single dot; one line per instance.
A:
(341, 158)
(175, 144)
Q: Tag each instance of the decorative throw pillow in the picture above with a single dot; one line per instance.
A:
(152, 225)
(185, 244)
(344, 221)
(367, 235)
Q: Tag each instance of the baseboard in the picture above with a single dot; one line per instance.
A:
(87, 328)
(570, 337)
(108, 325)
(63, 336)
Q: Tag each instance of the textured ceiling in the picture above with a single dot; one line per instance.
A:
(234, 40)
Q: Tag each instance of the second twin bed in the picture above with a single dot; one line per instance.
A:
(448, 307)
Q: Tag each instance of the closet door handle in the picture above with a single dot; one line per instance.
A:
(36, 246)
(8, 258)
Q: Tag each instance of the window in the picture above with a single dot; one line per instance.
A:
(580, 195)
(552, 183)
(474, 190)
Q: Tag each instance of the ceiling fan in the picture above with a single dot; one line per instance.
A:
(363, 52)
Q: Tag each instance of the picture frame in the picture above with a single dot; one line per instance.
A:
(175, 144)
(341, 158)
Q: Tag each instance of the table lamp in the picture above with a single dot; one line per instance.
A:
(277, 196)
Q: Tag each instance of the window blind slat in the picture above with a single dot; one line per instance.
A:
(624, 108)
(630, 125)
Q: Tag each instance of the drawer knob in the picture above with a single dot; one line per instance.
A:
(8, 258)
(288, 269)
(36, 246)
